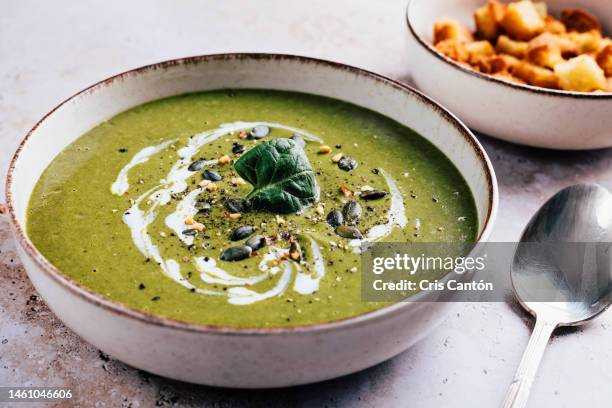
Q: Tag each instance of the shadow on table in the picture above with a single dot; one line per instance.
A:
(530, 167)
(529, 320)
(350, 390)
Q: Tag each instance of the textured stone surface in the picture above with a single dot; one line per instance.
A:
(49, 50)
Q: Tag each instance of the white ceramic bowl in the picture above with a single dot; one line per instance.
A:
(517, 113)
(224, 356)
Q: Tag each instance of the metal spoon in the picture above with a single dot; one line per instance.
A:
(562, 284)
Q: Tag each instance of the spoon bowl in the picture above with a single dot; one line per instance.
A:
(562, 271)
(562, 266)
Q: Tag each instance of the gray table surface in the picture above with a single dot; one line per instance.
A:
(49, 50)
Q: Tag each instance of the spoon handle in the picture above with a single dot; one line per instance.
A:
(518, 393)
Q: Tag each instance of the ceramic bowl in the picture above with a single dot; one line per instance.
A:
(224, 356)
(517, 113)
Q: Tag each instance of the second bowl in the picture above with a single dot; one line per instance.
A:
(516, 113)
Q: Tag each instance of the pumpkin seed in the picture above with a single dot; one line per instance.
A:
(335, 218)
(348, 232)
(373, 194)
(196, 165)
(238, 148)
(299, 140)
(256, 242)
(241, 232)
(237, 253)
(259, 132)
(211, 175)
(236, 205)
(347, 163)
(352, 212)
(190, 232)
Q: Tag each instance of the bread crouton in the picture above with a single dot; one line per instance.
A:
(497, 10)
(581, 74)
(478, 50)
(499, 63)
(522, 20)
(453, 49)
(553, 26)
(535, 75)
(486, 25)
(586, 42)
(541, 8)
(544, 50)
(579, 20)
(504, 76)
(604, 59)
(447, 29)
(506, 45)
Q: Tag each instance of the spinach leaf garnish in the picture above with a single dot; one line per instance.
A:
(281, 175)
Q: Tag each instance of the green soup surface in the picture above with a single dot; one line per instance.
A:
(125, 212)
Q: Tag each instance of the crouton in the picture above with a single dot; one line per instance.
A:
(544, 50)
(453, 49)
(541, 8)
(497, 10)
(505, 45)
(568, 48)
(586, 42)
(604, 59)
(604, 43)
(581, 74)
(478, 51)
(535, 75)
(447, 29)
(579, 20)
(499, 63)
(484, 66)
(522, 21)
(486, 25)
(553, 26)
(504, 76)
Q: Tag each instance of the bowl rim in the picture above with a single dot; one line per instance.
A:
(96, 299)
(519, 87)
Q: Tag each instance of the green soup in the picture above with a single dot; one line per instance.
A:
(134, 210)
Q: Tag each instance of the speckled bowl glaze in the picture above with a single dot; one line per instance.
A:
(224, 356)
(517, 113)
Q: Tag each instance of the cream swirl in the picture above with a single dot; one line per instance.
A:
(241, 291)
